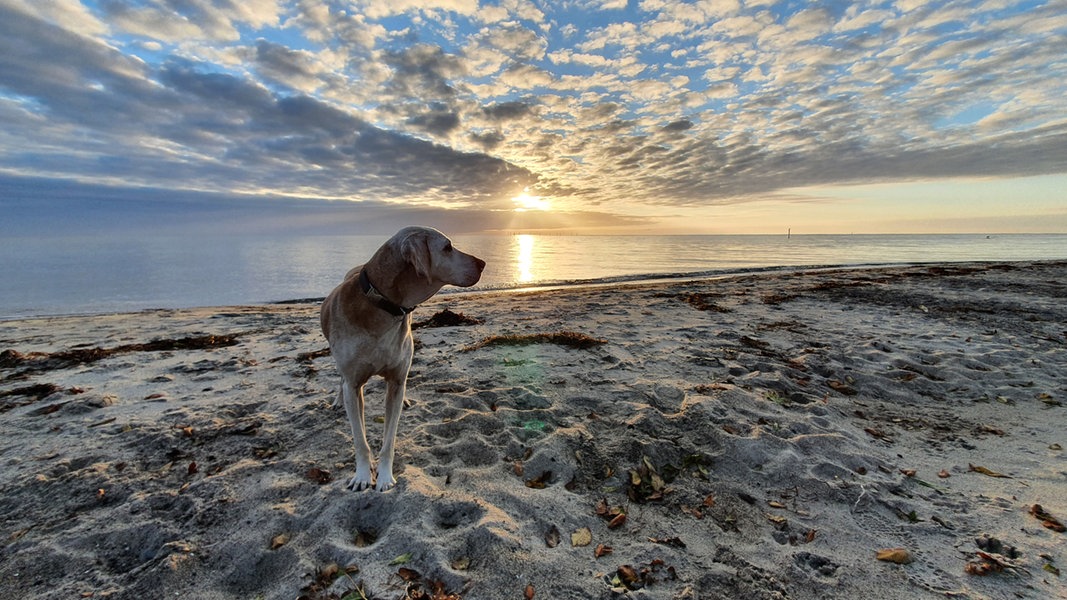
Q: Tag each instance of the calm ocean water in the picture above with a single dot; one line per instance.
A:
(44, 276)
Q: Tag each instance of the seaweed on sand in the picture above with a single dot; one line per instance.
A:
(567, 339)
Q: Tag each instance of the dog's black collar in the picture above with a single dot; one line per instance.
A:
(379, 300)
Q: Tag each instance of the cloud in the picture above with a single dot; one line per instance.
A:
(58, 208)
(377, 9)
(177, 20)
(456, 103)
(70, 15)
(294, 68)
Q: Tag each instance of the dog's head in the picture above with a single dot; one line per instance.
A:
(434, 258)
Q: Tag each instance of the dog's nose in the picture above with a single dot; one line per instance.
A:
(480, 263)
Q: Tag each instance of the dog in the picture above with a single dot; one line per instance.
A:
(367, 322)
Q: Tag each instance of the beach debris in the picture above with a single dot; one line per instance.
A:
(674, 542)
(529, 592)
(644, 483)
(615, 515)
(987, 472)
(403, 559)
(1048, 400)
(1048, 567)
(703, 301)
(990, 429)
(33, 393)
(552, 537)
(877, 433)
(928, 484)
(993, 556)
(434, 590)
(780, 523)
(324, 577)
(447, 318)
(539, 482)
(841, 387)
(993, 545)
(627, 576)
(582, 537)
(776, 298)
(943, 474)
(602, 550)
(408, 574)
(987, 563)
(279, 540)
(630, 578)
(899, 556)
(319, 476)
(461, 564)
(45, 361)
(567, 339)
(911, 517)
(1047, 520)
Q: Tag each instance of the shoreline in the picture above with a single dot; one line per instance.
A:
(553, 285)
(759, 435)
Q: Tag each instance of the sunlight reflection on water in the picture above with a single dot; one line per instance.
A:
(525, 260)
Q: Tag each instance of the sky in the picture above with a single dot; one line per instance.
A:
(581, 116)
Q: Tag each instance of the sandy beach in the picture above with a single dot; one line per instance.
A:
(846, 433)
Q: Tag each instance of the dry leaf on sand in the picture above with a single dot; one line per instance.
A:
(582, 537)
(899, 556)
(319, 476)
(540, 482)
(1047, 520)
(552, 537)
(987, 472)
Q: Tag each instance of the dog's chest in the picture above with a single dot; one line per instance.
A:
(387, 352)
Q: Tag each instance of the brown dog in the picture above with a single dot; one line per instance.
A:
(367, 321)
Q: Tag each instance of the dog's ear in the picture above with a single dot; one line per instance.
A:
(415, 249)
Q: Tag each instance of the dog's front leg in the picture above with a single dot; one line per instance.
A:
(394, 402)
(353, 399)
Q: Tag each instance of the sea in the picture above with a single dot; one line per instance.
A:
(47, 276)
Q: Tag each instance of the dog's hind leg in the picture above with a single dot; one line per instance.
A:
(353, 400)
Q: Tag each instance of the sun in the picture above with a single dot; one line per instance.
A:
(525, 202)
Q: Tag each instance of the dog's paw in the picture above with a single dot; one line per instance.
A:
(358, 484)
(386, 481)
(363, 480)
(385, 484)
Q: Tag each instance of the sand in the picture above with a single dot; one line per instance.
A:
(757, 436)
